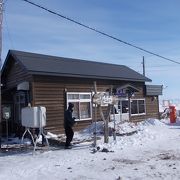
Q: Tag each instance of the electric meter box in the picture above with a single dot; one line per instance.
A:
(33, 117)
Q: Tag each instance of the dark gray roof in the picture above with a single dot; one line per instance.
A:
(60, 66)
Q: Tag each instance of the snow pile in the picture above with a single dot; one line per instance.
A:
(144, 154)
(127, 133)
(130, 133)
(123, 128)
(150, 122)
(51, 135)
(87, 133)
(91, 128)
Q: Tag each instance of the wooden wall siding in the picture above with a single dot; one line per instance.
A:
(152, 107)
(152, 110)
(16, 75)
(50, 92)
(139, 94)
(50, 95)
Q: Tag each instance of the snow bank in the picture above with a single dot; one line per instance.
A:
(144, 154)
(151, 122)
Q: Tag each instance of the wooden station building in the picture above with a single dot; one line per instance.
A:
(53, 82)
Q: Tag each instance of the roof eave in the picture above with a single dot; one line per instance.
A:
(88, 76)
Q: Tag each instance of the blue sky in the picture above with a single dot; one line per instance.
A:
(153, 25)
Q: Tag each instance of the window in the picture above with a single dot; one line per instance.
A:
(138, 106)
(124, 106)
(82, 105)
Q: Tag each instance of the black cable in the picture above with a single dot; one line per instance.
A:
(100, 32)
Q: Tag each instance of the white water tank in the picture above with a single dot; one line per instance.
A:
(33, 117)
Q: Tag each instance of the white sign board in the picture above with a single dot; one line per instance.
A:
(6, 112)
(104, 99)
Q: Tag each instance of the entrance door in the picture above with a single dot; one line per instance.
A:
(121, 111)
(20, 101)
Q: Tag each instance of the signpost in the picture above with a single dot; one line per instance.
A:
(104, 99)
(6, 115)
(109, 99)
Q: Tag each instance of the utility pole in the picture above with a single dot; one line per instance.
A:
(1, 20)
(143, 66)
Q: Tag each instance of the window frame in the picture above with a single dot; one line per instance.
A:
(80, 100)
(139, 114)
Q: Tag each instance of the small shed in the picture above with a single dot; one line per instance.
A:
(53, 82)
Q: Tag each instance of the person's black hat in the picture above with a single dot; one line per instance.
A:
(71, 105)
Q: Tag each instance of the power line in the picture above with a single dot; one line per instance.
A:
(100, 32)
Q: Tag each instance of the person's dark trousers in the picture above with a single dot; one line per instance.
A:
(69, 135)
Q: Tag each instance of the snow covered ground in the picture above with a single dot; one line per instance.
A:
(151, 152)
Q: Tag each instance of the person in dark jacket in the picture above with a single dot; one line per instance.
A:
(69, 122)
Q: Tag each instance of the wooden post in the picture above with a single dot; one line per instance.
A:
(105, 120)
(95, 117)
(129, 105)
(106, 130)
(114, 131)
